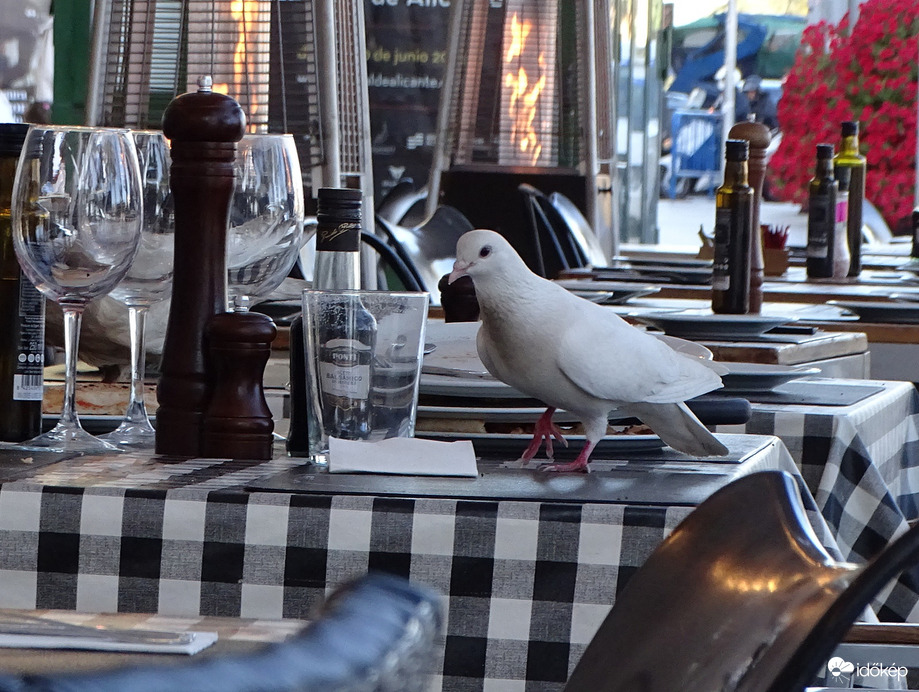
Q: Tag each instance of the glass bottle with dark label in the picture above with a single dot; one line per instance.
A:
(345, 340)
(337, 267)
(849, 170)
(22, 314)
(733, 233)
(822, 216)
(338, 238)
(344, 345)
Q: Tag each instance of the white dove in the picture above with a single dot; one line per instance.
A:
(574, 355)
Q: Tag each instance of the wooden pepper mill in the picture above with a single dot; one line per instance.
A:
(203, 127)
(759, 137)
(238, 423)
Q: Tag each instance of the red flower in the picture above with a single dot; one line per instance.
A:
(868, 75)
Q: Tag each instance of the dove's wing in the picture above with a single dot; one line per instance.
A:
(612, 360)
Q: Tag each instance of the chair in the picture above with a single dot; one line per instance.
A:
(555, 244)
(389, 256)
(741, 596)
(375, 634)
(429, 249)
(403, 204)
(580, 229)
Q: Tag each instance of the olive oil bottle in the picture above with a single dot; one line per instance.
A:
(733, 233)
(849, 168)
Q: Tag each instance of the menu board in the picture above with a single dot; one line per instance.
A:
(406, 62)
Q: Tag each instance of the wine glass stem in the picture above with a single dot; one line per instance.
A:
(137, 320)
(73, 318)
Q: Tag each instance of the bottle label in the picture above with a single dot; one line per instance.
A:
(29, 374)
(721, 270)
(344, 369)
(821, 222)
(343, 237)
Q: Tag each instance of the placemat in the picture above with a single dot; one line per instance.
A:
(659, 476)
(16, 463)
(813, 393)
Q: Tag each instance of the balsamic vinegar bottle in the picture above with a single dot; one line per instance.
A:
(338, 238)
(849, 170)
(733, 233)
(22, 314)
(825, 228)
(337, 267)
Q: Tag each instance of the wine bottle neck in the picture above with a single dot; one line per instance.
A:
(824, 169)
(337, 270)
(735, 173)
(849, 145)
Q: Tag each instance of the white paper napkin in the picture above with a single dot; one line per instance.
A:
(196, 641)
(409, 456)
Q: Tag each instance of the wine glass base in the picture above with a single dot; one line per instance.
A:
(134, 436)
(67, 438)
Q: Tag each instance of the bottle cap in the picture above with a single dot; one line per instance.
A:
(339, 194)
(824, 151)
(849, 128)
(340, 202)
(736, 150)
(12, 137)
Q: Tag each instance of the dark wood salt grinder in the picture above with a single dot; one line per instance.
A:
(203, 127)
(759, 137)
(238, 423)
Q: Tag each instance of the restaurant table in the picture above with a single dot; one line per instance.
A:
(894, 345)
(529, 563)
(860, 461)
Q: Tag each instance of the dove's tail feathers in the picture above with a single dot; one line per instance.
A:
(676, 425)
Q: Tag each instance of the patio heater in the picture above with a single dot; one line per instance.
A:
(526, 98)
(272, 56)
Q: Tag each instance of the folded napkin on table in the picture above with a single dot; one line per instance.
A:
(23, 631)
(409, 456)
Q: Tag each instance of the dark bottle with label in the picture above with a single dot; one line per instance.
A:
(733, 233)
(823, 228)
(849, 170)
(22, 314)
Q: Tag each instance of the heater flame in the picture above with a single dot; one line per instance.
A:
(523, 102)
(245, 13)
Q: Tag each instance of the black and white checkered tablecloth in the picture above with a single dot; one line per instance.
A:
(526, 583)
(861, 463)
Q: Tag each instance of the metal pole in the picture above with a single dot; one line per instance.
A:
(730, 66)
(96, 79)
(327, 84)
(442, 138)
(591, 163)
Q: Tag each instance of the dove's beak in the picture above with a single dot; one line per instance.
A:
(459, 269)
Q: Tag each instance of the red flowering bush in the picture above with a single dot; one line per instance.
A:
(868, 76)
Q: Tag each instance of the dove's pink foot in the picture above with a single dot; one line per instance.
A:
(579, 464)
(544, 429)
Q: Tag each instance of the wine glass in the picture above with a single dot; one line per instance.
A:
(266, 218)
(147, 282)
(77, 212)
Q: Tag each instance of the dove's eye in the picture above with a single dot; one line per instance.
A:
(485, 251)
